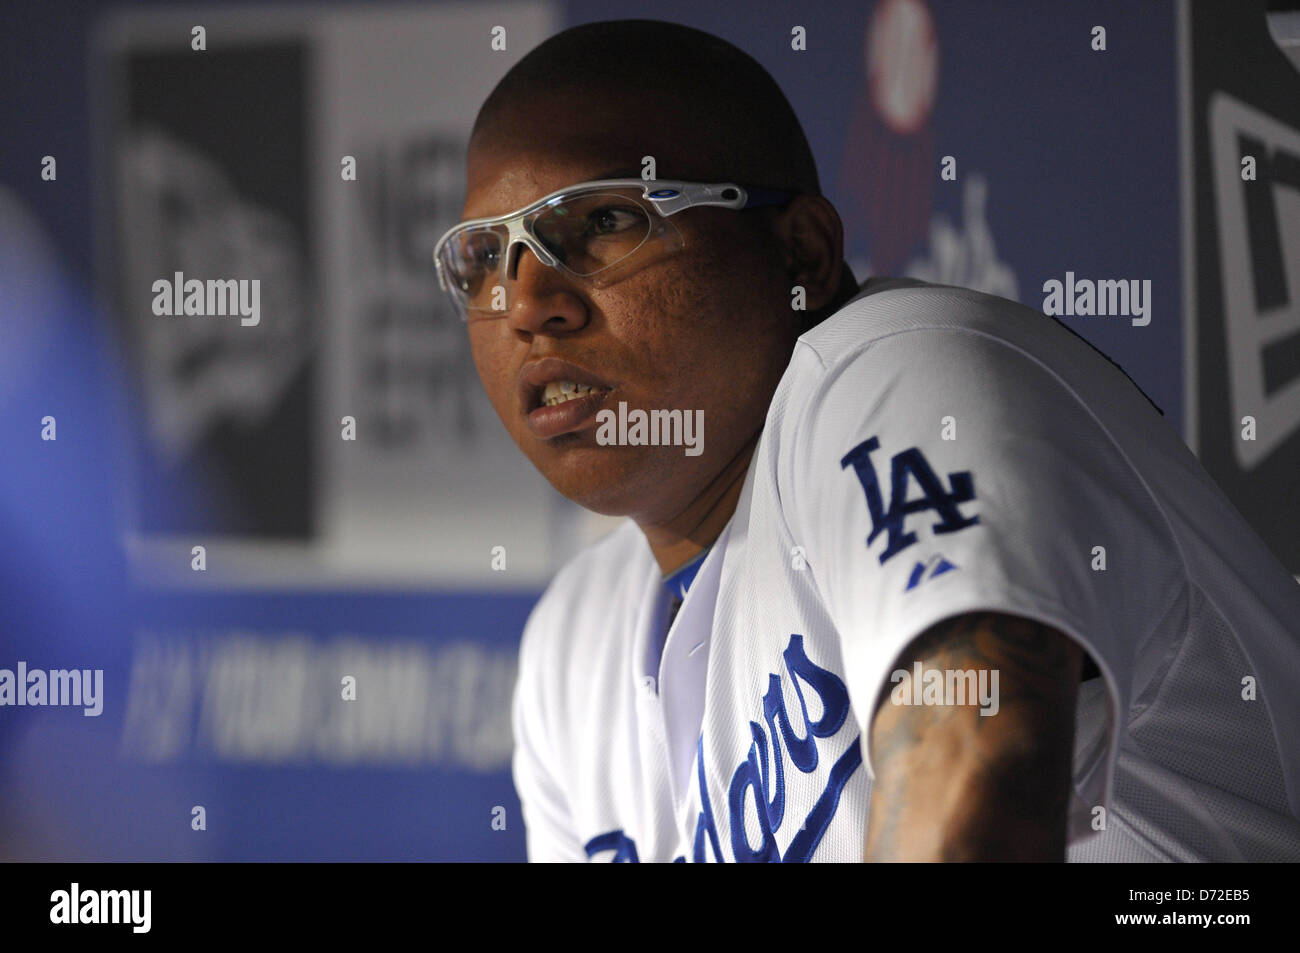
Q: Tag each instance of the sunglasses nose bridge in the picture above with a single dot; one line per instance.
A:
(521, 235)
(531, 243)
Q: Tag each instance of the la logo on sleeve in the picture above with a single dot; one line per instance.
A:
(909, 463)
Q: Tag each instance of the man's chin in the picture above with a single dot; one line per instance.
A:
(605, 480)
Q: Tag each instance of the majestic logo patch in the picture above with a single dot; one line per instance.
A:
(923, 572)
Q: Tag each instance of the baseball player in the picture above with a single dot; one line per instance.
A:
(938, 582)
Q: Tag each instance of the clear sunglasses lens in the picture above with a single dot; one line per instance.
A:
(586, 232)
(590, 232)
(471, 263)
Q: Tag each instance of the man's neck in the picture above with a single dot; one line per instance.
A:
(695, 528)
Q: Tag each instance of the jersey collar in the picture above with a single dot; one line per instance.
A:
(680, 579)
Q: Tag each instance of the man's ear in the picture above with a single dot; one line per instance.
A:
(811, 237)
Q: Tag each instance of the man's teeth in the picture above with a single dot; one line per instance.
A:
(557, 392)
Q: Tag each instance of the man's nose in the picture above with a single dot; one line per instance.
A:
(541, 298)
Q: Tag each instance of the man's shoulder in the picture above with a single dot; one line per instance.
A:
(985, 346)
(886, 307)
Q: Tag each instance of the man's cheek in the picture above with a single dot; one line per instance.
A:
(494, 378)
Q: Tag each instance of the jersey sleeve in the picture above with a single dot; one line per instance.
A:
(548, 828)
(941, 471)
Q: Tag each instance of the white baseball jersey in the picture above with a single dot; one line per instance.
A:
(929, 451)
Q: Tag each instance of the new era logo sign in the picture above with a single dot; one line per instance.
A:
(1259, 250)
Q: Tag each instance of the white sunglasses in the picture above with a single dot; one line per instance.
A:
(586, 230)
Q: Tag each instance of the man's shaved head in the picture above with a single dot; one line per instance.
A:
(709, 111)
(707, 328)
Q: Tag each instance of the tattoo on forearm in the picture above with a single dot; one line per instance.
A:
(953, 784)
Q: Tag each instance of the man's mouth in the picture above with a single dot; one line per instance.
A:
(560, 392)
(559, 396)
(564, 411)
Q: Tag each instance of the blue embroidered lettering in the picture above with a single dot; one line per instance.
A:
(624, 847)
